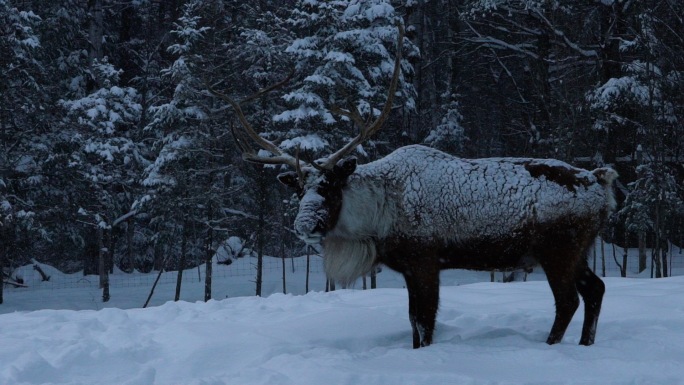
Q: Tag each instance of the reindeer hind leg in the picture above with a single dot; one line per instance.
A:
(591, 288)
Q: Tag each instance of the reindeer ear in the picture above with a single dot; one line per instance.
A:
(289, 179)
(345, 167)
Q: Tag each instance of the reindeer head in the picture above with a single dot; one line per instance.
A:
(320, 198)
(319, 184)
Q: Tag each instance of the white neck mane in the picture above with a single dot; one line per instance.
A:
(367, 213)
(368, 210)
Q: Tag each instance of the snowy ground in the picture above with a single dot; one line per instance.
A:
(487, 333)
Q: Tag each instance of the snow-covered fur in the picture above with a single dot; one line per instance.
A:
(418, 192)
(419, 210)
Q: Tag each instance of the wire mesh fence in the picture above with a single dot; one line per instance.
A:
(608, 259)
(605, 260)
(31, 279)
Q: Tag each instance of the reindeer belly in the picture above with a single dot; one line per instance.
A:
(520, 249)
(487, 255)
(403, 253)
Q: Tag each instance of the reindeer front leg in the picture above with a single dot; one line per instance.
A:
(423, 291)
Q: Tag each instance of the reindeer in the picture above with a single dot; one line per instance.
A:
(419, 211)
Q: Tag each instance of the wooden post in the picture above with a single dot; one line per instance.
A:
(283, 236)
(306, 286)
(3, 250)
(154, 285)
(282, 265)
(603, 262)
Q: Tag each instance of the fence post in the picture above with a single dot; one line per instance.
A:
(306, 288)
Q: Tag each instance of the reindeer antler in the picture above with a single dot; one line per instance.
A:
(242, 138)
(366, 131)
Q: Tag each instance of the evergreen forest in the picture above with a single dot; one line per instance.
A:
(118, 146)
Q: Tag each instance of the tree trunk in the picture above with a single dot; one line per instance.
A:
(208, 272)
(102, 265)
(661, 236)
(541, 116)
(126, 25)
(159, 254)
(209, 256)
(182, 261)
(130, 232)
(95, 32)
(110, 251)
(261, 227)
(100, 257)
(642, 252)
(610, 62)
(655, 257)
(663, 254)
(621, 266)
(658, 248)
(260, 264)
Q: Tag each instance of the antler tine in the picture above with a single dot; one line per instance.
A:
(248, 152)
(241, 140)
(368, 130)
(352, 113)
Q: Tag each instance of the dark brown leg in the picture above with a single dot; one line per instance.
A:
(561, 277)
(591, 288)
(413, 304)
(423, 290)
